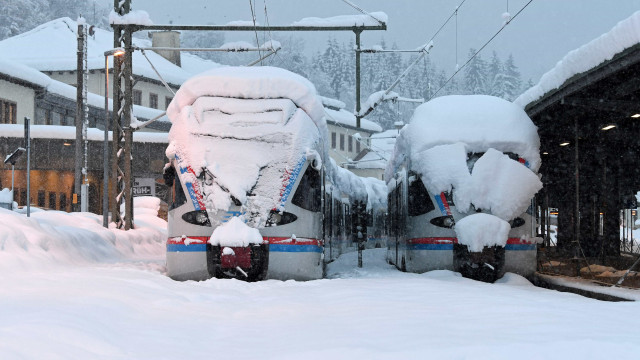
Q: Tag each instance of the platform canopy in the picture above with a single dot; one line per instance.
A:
(591, 99)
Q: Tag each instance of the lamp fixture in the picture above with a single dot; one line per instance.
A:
(635, 116)
(608, 127)
(564, 143)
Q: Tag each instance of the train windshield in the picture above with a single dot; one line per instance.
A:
(419, 200)
(247, 152)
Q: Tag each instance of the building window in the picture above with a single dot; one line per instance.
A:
(350, 147)
(69, 120)
(341, 141)
(137, 97)
(52, 200)
(63, 201)
(41, 198)
(167, 101)
(7, 112)
(358, 146)
(333, 140)
(23, 197)
(153, 100)
(56, 118)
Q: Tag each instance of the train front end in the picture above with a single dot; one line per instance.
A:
(245, 172)
(470, 176)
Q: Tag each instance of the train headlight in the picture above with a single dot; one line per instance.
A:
(443, 221)
(198, 217)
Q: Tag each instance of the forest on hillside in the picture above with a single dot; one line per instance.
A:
(332, 70)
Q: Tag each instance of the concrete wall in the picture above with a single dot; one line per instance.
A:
(23, 97)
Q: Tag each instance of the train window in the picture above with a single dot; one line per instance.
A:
(307, 196)
(179, 197)
(419, 200)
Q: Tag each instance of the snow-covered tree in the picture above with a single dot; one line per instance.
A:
(512, 80)
(495, 76)
(475, 78)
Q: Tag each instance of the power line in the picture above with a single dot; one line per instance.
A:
(507, 22)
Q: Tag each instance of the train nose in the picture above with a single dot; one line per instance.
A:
(234, 257)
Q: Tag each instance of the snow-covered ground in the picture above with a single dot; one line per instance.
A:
(116, 303)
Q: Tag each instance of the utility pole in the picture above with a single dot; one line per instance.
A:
(121, 127)
(80, 115)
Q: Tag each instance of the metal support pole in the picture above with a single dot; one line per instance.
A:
(358, 117)
(13, 165)
(79, 118)
(105, 153)
(577, 180)
(27, 136)
(126, 127)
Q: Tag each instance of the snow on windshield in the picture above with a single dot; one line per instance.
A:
(242, 130)
(445, 130)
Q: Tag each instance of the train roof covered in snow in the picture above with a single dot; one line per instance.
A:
(480, 122)
(248, 131)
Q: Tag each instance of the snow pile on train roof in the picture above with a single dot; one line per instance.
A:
(480, 230)
(622, 36)
(502, 185)
(348, 182)
(376, 193)
(235, 233)
(247, 130)
(54, 238)
(479, 122)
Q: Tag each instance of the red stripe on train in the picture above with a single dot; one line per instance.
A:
(267, 240)
(433, 240)
(452, 240)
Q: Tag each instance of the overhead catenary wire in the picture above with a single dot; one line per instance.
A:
(362, 11)
(479, 50)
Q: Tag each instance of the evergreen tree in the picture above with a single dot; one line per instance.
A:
(512, 82)
(475, 79)
(495, 76)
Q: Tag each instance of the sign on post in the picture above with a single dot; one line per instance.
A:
(144, 187)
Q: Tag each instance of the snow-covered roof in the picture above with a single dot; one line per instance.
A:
(69, 133)
(38, 79)
(382, 145)
(337, 114)
(52, 46)
(622, 36)
(479, 122)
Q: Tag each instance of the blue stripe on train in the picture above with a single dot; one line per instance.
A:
(430, 247)
(520, 247)
(294, 248)
(186, 248)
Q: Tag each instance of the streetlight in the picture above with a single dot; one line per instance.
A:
(12, 158)
(105, 155)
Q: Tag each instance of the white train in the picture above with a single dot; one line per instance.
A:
(250, 144)
(460, 187)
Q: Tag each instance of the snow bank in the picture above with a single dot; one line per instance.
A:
(344, 20)
(55, 238)
(622, 36)
(480, 230)
(235, 233)
(6, 196)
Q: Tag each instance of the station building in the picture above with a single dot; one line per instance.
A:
(587, 109)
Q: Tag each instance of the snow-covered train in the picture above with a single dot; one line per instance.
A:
(255, 194)
(460, 185)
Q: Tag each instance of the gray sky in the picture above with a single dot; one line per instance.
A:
(539, 37)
